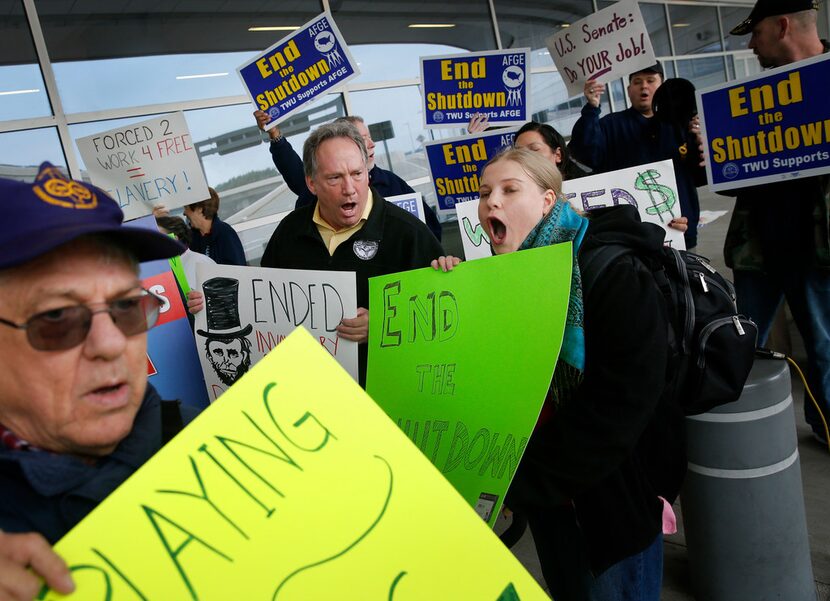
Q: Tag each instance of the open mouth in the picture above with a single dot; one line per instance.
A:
(107, 389)
(112, 396)
(498, 230)
(348, 207)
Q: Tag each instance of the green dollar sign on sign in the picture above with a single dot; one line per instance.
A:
(662, 197)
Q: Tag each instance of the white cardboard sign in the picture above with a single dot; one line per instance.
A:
(144, 164)
(604, 45)
(473, 237)
(249, 310)
(411, 203)
(652, 188)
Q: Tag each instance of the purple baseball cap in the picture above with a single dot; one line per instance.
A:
(54, 210)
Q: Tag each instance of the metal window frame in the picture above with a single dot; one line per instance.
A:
(62, 120)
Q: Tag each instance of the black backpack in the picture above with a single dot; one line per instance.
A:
(712, 346)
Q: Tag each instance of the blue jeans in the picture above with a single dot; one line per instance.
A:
(635, 578)
(808, 295)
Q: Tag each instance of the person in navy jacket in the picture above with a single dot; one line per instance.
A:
(633, 137)
(212, 236)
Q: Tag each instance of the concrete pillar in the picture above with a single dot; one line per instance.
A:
(743, 508)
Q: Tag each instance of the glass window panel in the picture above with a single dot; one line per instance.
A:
(384, 62)
(22, 93)
(462, 23)
(549, 103)
(618, 92)
(731, 16)
(255, 239)
(655, 17)
(746, 64)
(528, 23)
(241, 171)
(694, 29)
(92, 30)
(402, 153)
(823, 24)
(87, 86)
(703, 72)
(668, 69)
(21, 152)
(118, 53)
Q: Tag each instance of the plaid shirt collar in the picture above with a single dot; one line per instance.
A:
(12, 442)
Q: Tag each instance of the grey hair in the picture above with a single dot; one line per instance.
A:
(336, 129)
(353, 119)
(806, 19)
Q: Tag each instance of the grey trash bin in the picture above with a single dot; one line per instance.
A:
(743, 508)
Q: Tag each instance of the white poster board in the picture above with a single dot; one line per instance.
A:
(249, 310)
(652, 188)
(411, 203)
(604, 45)
(473, 237)
(145, 164)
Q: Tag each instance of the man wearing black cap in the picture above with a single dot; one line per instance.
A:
(77, 416)
(633, 137)
(778, 243)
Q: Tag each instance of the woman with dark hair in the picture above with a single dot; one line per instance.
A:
(212, 236)
(541, 138)
(544, 139)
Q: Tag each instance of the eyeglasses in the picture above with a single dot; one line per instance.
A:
(66, 327)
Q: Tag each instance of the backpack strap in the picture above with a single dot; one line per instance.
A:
(596, 260)
(171, 420)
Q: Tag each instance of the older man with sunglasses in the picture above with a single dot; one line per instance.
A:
(77, 416)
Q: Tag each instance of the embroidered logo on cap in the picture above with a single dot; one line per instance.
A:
(365, 249)
(53, 187)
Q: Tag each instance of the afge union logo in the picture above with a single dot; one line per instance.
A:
(730, 171)
(365, 249)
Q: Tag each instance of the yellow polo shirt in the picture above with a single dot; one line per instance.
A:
(333, 238)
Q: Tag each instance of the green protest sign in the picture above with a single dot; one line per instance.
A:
(462, 361)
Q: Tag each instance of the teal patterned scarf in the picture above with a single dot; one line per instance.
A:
(563, 224)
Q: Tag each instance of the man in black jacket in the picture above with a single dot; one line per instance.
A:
(778, 243)
(350, 227)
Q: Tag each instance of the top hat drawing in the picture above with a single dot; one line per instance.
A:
(222, 305)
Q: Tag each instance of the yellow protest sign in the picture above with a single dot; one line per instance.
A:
(293, 486)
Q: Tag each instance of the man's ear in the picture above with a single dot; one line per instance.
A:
(310, 185)
(784, 27)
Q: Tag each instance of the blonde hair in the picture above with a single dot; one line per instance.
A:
(542, 171)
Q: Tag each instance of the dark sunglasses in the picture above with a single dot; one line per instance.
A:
(66, 327)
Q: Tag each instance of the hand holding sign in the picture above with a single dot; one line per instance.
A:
(594, 92)
(612, 42)
(310, 62)
(23, 559)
